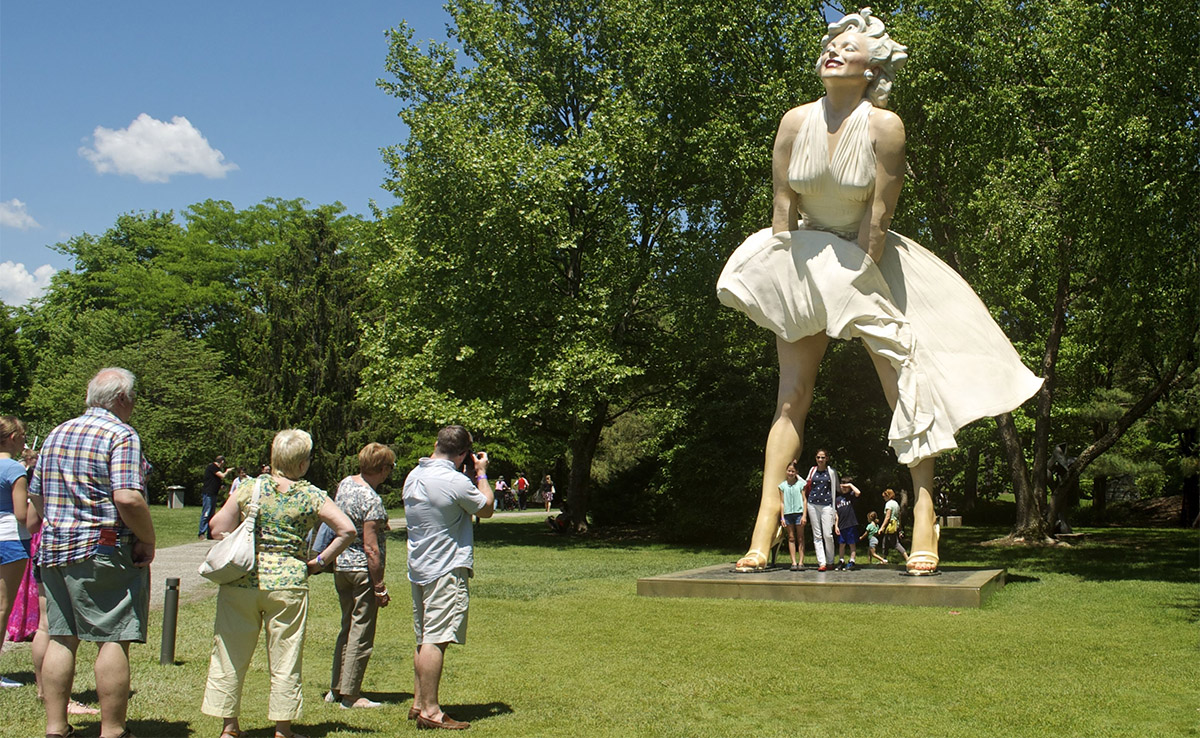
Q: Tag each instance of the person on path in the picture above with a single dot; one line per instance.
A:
(210, 489)
(546, 492)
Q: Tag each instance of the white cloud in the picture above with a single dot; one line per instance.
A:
(18, 286)
(154, 151)
(13, 215)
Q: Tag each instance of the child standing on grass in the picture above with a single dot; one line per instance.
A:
(872, 536)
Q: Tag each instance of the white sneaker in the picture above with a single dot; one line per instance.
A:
(6, 682)
(360, 702)
(329, 697)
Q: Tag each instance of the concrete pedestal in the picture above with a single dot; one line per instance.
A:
(954, 587)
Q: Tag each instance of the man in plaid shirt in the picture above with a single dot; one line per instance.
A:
(97, 545)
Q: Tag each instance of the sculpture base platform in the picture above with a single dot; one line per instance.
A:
(953, 587)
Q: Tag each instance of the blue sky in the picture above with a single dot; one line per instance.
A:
(109, 108)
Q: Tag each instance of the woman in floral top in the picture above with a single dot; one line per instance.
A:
(359, 574)
(276, 592)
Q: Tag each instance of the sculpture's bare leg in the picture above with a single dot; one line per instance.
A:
(924, 556)
(798, 365)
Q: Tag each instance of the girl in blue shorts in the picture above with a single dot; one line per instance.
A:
(14, 539)
(794, 516)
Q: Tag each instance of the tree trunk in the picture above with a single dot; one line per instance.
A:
(1099, 499)
(1189, 447)
(1045, 396)
(1030, 525)
(583, 450)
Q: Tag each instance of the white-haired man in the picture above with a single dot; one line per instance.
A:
(97, 545)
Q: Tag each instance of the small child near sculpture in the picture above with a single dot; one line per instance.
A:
(872, 536)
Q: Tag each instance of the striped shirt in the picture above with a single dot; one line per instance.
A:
(82, 463)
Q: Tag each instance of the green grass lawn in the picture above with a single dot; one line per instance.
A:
(174, 526)
(1099, 639)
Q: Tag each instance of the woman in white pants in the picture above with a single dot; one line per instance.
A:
(820, 485)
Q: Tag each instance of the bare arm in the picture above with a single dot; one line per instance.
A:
(785, 210)
(887, 137)
(20, 498)
(33, 513)
(333, 516)
(481, 484)
(226, 519)
(372, 530)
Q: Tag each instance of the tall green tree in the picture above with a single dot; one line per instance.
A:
(246, 317)
(1055, 149)
(16, 366)
(568, 191)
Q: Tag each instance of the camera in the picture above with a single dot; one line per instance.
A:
(469, 464)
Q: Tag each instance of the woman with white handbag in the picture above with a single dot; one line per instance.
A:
(274, 593)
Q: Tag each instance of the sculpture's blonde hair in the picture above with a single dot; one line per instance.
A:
(886, 55)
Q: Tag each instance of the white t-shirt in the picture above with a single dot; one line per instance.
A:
(439, 501)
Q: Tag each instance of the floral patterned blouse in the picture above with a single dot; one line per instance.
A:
(281, 532)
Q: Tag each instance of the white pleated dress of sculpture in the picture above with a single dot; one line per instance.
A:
(953, 362)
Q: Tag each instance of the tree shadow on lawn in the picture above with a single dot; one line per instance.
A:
(1104, 554)
(535, 532)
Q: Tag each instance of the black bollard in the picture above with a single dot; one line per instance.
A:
(170, 616)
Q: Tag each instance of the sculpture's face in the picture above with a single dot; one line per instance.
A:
(847, 56)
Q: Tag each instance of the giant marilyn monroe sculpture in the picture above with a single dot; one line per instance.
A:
(829, 267)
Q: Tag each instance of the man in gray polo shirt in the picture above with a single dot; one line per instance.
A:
(439, 501)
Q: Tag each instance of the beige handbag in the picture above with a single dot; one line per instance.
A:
(233, 556)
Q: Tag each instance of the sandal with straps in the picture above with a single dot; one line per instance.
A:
(754, 560)
(921, 563)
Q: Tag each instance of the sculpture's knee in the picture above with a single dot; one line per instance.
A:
(795, 398)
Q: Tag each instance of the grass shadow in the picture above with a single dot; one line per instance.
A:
(389, 698)
(164, 728)
(1102, 555)
(473, 713)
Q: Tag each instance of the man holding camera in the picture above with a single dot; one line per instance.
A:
(439, 501)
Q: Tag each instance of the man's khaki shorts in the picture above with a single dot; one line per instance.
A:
(440, 608)
(103, 598)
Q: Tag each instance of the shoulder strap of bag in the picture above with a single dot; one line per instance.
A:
(252, 508)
